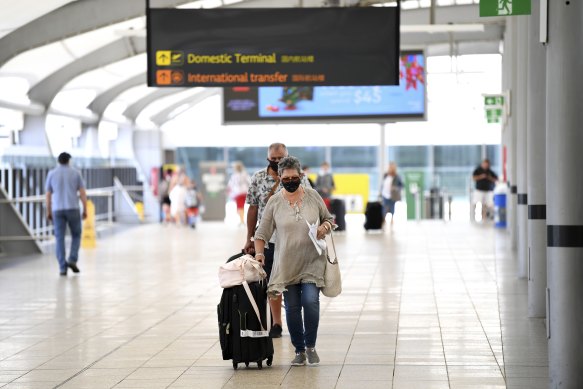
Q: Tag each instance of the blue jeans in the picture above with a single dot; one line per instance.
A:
(304, 332)
(388, 206)
(72, 218)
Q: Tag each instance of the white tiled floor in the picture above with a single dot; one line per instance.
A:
(427, 305)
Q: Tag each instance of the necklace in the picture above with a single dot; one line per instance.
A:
(295, 205)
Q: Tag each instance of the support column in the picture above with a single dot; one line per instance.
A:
(89, 141)
(512, 198)
(536, 169)
(34, 137)
(564, 156)
(521, 181)
(506, 86)
(123, 145)
(147, 146)
(382, 153)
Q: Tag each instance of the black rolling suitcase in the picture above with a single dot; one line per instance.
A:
(374, 216)
(240, 332)
(338, 210)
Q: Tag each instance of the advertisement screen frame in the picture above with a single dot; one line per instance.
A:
(367, 118)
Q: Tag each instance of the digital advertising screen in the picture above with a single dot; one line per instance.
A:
(406, 101)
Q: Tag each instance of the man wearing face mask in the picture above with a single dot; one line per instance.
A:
(264, 184)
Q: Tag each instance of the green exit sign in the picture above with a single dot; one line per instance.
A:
(494, 108)
(504, 7)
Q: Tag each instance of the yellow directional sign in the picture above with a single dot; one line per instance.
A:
(88, 237)
(163, 57)
(140, 210)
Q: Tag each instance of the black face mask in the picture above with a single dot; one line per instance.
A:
(274, 165)
(291, 186)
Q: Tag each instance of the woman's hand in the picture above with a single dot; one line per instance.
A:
(322, 231)
(260, 257)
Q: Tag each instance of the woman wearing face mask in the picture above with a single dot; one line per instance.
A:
(298, 269)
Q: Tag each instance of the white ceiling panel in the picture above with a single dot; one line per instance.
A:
(16, 13)
(36, 64)
(106, 77)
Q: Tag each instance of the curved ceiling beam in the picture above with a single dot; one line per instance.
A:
(100, 103)
(45, 91)
(164, 115)
(134, 110)
(73, 19)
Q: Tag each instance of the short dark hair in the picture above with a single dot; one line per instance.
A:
(289, 162)
(64, 158)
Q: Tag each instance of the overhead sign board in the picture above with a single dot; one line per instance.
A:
(504, 7)
(273, 47)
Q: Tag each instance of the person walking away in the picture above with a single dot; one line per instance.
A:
(193, 202)
(325, 183)
(306, 171)
(264, 184)
(64, 187)
(178, 200)
(164, 196)
(238, 186)
(485, 180)
(298, 270)
(391, 190)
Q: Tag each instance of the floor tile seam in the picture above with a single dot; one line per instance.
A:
(500, 318)
(502, 371)
(402, 279)
(168, 345)
(77, 325)
(29, 328)
(100, 332)
(431, 265)
(121, 345)
(495, 278)
(371, 281)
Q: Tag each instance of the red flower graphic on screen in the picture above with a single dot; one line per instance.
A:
(411, 71)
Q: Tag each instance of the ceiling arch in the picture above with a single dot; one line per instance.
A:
(45, 91)
(72, 19)
(100, 103)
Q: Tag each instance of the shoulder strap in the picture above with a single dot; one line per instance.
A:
(334, 247)
(256, 308)
(273, 189)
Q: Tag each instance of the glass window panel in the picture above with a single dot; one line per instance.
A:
(409, 156)
(253, 158)
(190, 157)
(354, 157)
(458, 156)
(493, 153)
(309, 156)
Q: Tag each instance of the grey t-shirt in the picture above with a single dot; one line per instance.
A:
(296, 260)
(64, 182)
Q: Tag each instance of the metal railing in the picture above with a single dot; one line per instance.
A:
(102, 220)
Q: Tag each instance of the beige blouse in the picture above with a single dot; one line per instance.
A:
(296, 260)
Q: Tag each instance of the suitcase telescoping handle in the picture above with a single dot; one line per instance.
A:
(264, 332)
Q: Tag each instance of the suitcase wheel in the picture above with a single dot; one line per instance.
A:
(246, 364)
(260, 365)
(269, 360)
(235, 365)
